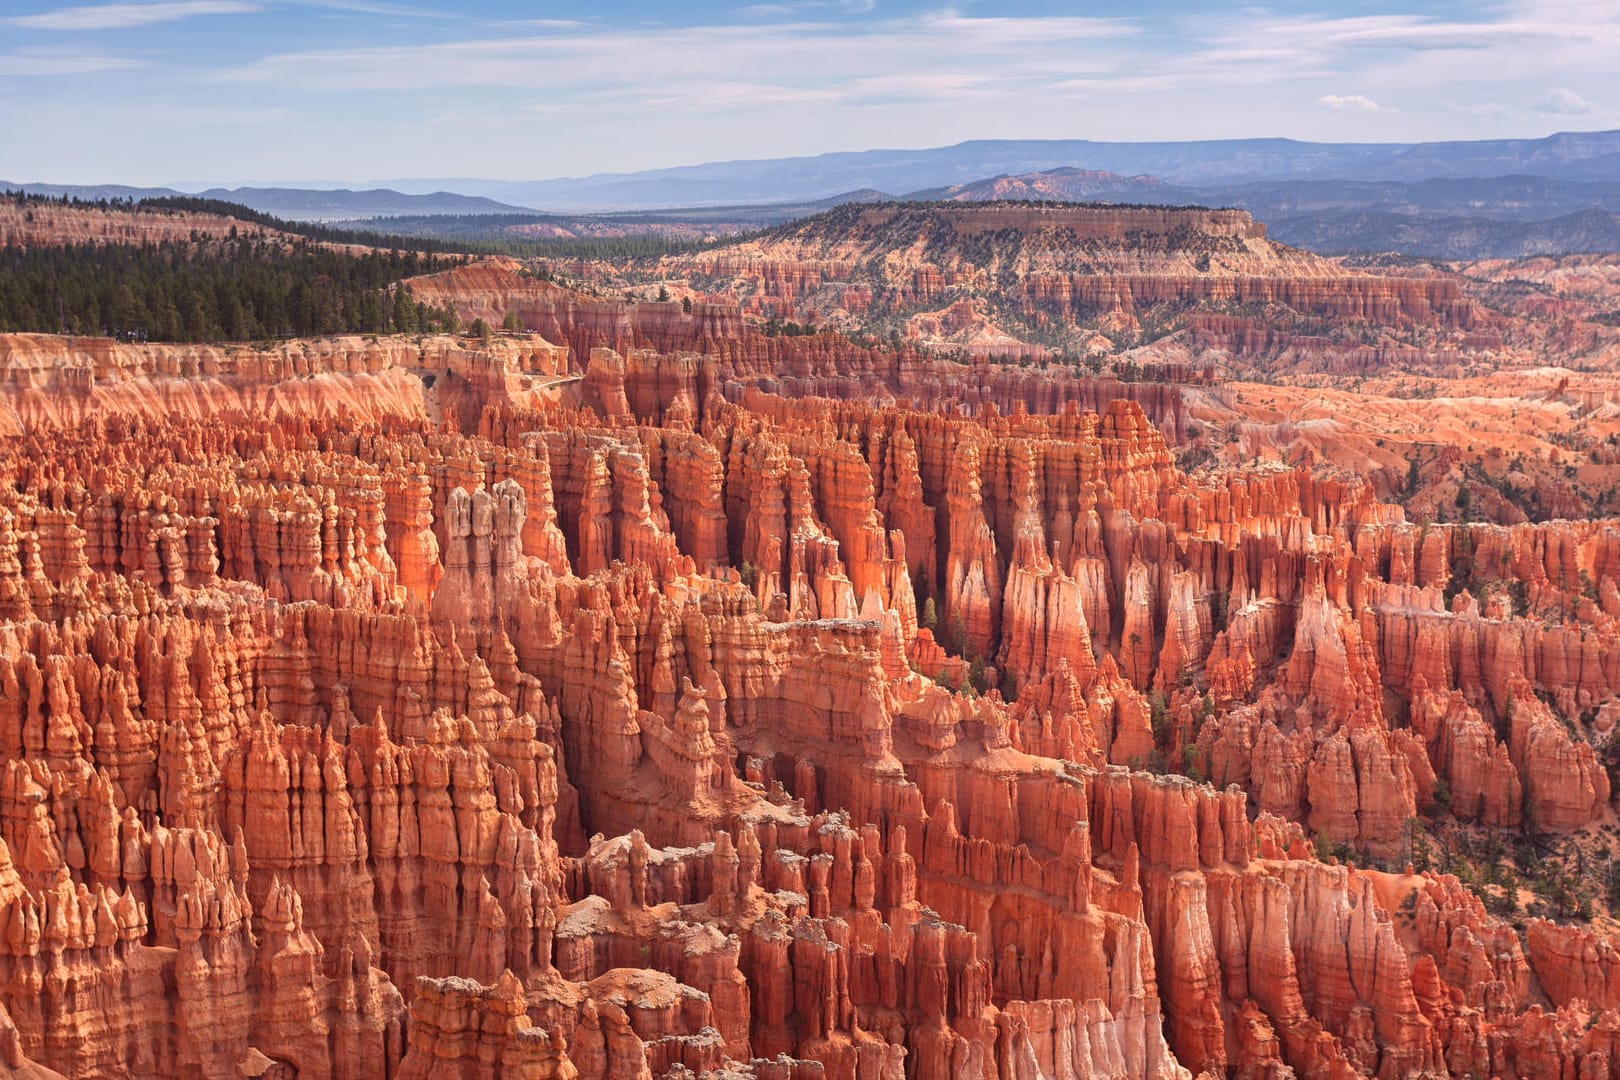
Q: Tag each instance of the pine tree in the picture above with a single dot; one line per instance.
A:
(404, 312)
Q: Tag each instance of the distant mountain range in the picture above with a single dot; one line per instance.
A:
(1568, 156)
(1445, 199)
(1225, 162)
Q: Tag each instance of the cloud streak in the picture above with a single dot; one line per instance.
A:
(939, 56)
(128, 16)
(373, 7)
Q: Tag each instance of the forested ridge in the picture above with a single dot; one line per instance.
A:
(494, 234)
(196, 204)
(252, 288)
(469, 234)
(244, 289)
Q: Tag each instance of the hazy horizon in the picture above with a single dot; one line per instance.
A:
(421, 184)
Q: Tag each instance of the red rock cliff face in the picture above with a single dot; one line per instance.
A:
(651, 338)
(51, 382)
(695, 726)
(1069, 265)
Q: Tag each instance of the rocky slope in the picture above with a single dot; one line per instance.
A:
(754, 706)
(739, 352)
(1506, 447)
(1517, 422)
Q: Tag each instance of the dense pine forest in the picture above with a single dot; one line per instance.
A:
(234, 290)
(492, 234)
(254, 288)
(469, 234)
(196, 204)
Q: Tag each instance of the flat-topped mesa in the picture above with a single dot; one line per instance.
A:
(989, 279)
(1170, 225)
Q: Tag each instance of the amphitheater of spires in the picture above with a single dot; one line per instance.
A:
(643, 696)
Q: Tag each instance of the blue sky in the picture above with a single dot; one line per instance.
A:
(166, 91)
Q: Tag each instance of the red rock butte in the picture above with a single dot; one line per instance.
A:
(646, 696)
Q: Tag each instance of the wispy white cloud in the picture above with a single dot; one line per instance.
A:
(790, 8)
(1352, 103)
(542, 24)
(375, 7)
(128, 16)
(1400, 53)
(805, 59)
(1563, 102)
